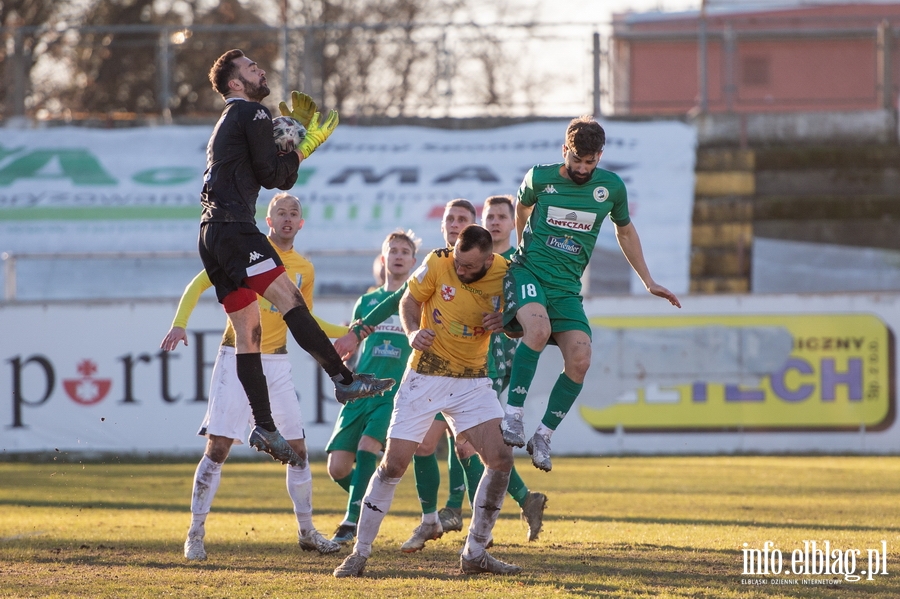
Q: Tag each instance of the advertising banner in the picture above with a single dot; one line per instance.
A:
(89, 190)
(726, 374)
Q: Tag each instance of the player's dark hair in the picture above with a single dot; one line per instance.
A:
(585, 136)
(461, 203)
(498, 200)
(223, 71)
(475, 237)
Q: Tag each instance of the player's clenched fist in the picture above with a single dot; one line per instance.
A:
(421, 339)
(316, 134)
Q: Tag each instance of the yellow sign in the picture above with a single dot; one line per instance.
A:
(800, 372)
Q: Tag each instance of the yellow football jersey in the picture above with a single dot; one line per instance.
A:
(274, 329)
(454, 311)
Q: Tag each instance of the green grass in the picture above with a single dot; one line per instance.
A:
(615, 527)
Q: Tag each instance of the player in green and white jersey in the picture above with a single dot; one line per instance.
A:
(498, 217)
(360, 431)
(559, 210)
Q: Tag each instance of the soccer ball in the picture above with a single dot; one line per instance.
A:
(288, 133)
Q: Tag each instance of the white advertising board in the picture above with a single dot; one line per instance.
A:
(726, 374)
(88, 190)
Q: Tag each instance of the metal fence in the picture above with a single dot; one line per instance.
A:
(152, 72)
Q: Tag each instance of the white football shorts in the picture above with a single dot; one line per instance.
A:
(464, 402)
(228, 413)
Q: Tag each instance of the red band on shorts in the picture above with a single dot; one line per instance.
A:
(238, 300)
(259, 283)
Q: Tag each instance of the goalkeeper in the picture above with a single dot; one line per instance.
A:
(240, 261)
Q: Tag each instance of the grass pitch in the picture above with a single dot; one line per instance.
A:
(614, 527)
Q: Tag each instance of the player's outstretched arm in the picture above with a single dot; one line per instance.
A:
(630, 243)
(186, 305)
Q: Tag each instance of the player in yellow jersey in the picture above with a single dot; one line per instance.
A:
(448, 313)
(229, 412)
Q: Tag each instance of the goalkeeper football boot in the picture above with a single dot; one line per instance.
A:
(272, 443)
(363, 385)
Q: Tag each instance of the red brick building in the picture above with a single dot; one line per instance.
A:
(842, 57)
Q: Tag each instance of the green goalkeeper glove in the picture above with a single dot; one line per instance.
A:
(317, 134)
(302, 108)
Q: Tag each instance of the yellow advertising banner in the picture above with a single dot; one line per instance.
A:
(801, 372)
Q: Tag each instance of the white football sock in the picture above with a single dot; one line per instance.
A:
(486, 507)
(206, 483)
(300, 488)
(375, 506)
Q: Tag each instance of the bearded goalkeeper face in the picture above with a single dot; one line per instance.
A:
(252, 79)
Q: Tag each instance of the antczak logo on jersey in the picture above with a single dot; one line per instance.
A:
(573, 220)
(565, 244)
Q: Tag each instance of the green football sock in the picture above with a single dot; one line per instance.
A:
(457, 477)
(428, 481)
(516, 488)
(474, 469)
(366, 462)
(523, 367)
(563, 395)
(345, 482)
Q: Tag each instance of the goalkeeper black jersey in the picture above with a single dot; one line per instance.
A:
(241, 157)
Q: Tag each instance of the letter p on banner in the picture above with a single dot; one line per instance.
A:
(877, 561)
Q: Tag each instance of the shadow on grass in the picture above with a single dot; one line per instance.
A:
(710, 522)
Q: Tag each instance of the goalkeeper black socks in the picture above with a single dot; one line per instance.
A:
(250, 373)
(315, 342)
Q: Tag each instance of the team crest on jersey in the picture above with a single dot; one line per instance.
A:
(601, 194)
(448, 293)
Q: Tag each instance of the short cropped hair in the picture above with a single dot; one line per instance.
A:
(284, 196)
(407, 236)
(462, 203)
(475, 237)
(498, 200)
(223, 70)
(585, 136)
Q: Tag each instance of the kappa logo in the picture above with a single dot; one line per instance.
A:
(559, 415)
(255, 256)
(520, 390)
(448, 293)
(550, 189)
(261, 115)
(373, 507)
(373, 302)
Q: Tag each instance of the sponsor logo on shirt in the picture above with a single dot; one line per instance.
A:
(601, 194)
(472, 290)
(261, 115)
(575, 220)
(386, 350)
(448, 293)
(565, 244)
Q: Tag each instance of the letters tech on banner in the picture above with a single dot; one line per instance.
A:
(823, 372)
